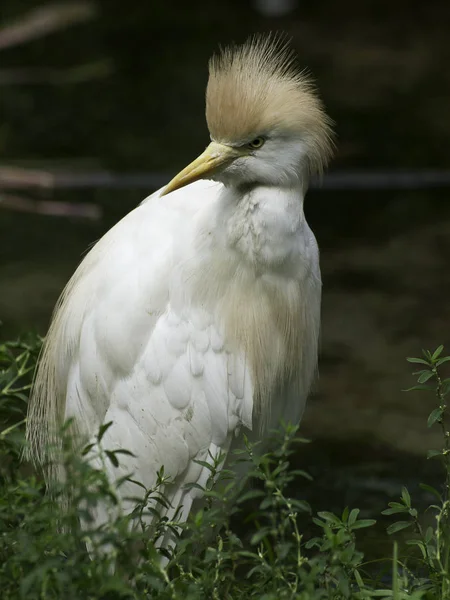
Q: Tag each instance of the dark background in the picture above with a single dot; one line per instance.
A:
(121, 88)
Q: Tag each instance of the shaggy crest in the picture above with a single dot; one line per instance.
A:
(257, 89)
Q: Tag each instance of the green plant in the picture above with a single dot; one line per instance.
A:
(433, 542)
(17, 362)
(245, 541)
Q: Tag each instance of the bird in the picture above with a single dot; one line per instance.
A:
(195, 319)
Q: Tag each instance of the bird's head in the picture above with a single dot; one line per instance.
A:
(267, 124)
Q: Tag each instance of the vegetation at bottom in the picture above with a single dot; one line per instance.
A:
(43, 548)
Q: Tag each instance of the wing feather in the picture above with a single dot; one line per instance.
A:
(121, 350)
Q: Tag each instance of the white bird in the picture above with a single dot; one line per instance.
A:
(197, 316)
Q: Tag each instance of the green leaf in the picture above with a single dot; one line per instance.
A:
(394, 511)
(87, 449)
(138, 483)
(406, 497)
(112, 457)
(353, 516)
(205, 464)
(330, 517)
(442, 360)
(420, 545)
(434, 453)
(197, 486)
(300, 505)
(420, 387)
(124, 452)
(420, 361)
(213, 494)
(358, 579)
(363, 523)
(250, 495)
(435, 415)
(423, 377)
(345, 515)
(301, 473)
(313, 542)
(429, 535)
(431, 490)
(318, 522)
(161, 499)
(398, 526)
(446, 386)
(437, 352)
(103, 429)
(259, 535)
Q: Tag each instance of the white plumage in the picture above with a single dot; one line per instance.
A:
(197, 316)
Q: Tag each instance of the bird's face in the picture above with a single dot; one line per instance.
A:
(276, 159)
(266, 123)
(265, 159)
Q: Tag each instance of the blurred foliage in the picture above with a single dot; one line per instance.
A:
(17, 363)
(211, 560)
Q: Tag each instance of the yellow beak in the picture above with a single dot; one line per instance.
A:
(215, 156)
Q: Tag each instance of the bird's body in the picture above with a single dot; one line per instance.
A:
(194, 318)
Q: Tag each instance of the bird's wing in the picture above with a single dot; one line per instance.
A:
(121, 351)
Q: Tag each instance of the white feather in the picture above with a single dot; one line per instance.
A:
(161, 325)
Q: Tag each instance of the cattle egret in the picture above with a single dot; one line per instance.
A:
(196, 317)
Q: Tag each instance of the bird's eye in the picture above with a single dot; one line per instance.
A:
(256, 143)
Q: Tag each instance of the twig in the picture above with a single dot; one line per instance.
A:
(53, 208)
(22, 178)
(19, 178)
(45, 20)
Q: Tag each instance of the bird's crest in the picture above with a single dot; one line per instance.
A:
(258, 88)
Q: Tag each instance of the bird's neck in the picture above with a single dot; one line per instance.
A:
(264, 225)
(255, 268)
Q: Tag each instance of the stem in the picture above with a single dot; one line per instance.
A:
(445, 432)
(442, 542)
(8, 430)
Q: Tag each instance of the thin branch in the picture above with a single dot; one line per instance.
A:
(45, 20)
(92, 212)
(18, 178)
